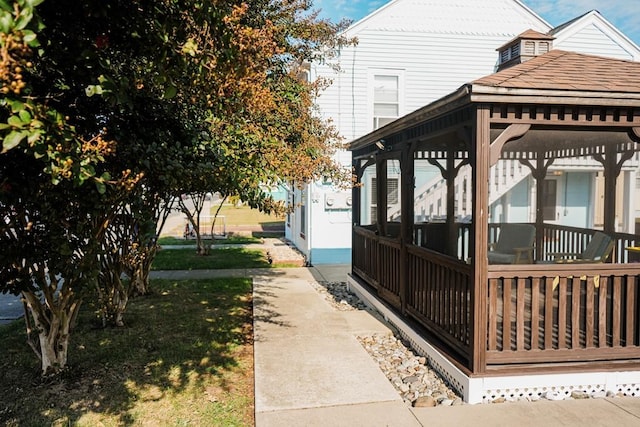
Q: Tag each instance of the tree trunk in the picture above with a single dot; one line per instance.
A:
(113, 298)
(140, 281)
(52, 321)
(139, 273)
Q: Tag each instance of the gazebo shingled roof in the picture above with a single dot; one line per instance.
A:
(556, 77)
(563, 70)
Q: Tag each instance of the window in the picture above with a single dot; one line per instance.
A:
(292, 205)
(386, 97)
(392, 195)
(303, 214)
(392, 191)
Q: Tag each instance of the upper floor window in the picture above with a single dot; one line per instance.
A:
(386, 98)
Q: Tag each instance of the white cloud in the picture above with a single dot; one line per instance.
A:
(339, 9)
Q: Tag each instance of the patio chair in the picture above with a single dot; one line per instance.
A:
(514, 245)
(598, 250)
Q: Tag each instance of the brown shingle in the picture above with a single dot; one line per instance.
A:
(563, 70)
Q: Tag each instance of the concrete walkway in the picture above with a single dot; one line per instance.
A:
(311, 371)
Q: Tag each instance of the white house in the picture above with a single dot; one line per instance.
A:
(410, 53)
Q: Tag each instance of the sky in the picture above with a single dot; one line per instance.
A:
(624, 14)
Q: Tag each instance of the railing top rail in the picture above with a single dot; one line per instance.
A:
(563, 270)
(450, 262)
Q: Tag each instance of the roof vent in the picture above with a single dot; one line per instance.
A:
(524, 47)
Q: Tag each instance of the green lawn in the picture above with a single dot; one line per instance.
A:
(231, 240)
(188, 259)
(244, 215)
(184, 357)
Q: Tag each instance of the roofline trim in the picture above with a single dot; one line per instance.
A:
(443, 104)
(354, 28)
(484, 93)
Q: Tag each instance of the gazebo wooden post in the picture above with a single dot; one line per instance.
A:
(610, 177)
(480, 153)
(381, 194)
(612, 169)
(407, 170)
(539, 173)
(356, 194)
(451, 243)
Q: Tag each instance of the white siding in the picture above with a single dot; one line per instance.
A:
(593, 40)
(440, 45)
(433, 65)
(436, 45)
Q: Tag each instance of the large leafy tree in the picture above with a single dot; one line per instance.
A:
(263, 129)
(86, 108)
(108, 109)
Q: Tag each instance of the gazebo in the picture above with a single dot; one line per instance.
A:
(543, 320)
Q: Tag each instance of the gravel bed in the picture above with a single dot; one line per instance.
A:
(338, 295)
(408, 372)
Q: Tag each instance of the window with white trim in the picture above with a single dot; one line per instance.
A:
(393, 196)
(386, 96)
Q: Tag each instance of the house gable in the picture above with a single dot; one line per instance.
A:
(489, 17)
(432, 45)
(592, 34)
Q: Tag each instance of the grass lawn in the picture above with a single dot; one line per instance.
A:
(184, 357)
(188, 259)
(231, 240)
(244, 215)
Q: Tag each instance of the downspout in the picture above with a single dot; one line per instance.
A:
(307, 232)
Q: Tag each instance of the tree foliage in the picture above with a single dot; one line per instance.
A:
(108, 110)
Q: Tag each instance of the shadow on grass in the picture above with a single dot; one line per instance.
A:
(264, 234)
(272, 225)
(179, 359)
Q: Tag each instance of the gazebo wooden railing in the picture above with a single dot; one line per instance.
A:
(535, 314)
(439, 298)
(383, 276)
(564, 314)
